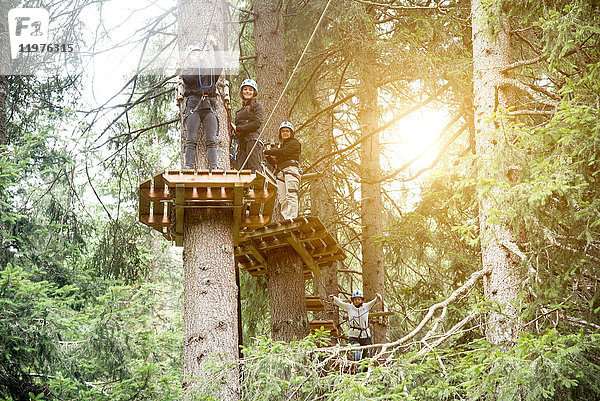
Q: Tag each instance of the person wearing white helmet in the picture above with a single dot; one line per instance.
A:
(358, 319)
(287, 159)
(248, 120)
(199, 79)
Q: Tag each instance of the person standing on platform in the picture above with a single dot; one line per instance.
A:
(358, 319)
(248, 120)
(200, 89)
(287, 159)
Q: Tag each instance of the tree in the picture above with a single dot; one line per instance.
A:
(210, 293)
(285, 278)
(499, 252)
(371, 215)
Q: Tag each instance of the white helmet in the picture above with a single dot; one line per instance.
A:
(286, 124)
(357, 294)
(251, 83)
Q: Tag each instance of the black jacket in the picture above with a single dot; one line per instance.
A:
(248, 122)
(287, 154)
(192, 83)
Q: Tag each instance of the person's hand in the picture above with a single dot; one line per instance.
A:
(211, 39)
(331, 297)
(378, 295)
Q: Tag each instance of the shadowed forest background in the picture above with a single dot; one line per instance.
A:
(91, 300)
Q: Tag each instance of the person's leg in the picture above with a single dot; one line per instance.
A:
(210, 125)
(366, 341)
(356, 355)
(241, 155)
(254, 158)
(192, 124)
(281, 190)
(292, 183)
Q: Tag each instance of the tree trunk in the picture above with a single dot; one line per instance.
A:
(210, 304)
(490, 55)
(270, 67)
(371, 203)
(210, 290)
(285, 279)
(322, 205)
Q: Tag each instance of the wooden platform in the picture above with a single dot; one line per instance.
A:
(306, 235)
(164, 198)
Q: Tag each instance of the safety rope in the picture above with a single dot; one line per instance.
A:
(287, 84)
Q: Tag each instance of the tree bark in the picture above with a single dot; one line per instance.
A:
(270, 67)
(285, 279)
(490, 56)
(210, 290)
(322, 205)
(371, 203)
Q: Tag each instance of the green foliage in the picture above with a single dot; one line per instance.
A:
(549, 367)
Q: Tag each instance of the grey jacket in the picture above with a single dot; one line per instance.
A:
(358, 318)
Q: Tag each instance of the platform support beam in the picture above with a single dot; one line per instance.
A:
(238, 197)
(300, 250)
(179, 213)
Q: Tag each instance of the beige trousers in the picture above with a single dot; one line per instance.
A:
(288, 183)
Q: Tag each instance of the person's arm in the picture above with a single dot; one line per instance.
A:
(275, 152)
(254, 123)
(372, 302)
(291, 149)
(340, 303)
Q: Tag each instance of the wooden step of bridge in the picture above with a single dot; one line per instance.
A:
(306, 235)
(164, 198)
(314, 303)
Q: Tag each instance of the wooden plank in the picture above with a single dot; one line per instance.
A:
(259, 181)
(238, 197)
(269, 205)
(254, 265)
(205, 179)
(156, 195)
(272, 230)
(308, 260)
(179, 208)
(255, 221)
(144, 204)
(155, 221)
(158, 208)
(314, 303)
(257, 255)
(330, 258)
(315, 235)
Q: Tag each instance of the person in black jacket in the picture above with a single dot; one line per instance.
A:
(248, 120)
(200, 90)
(287, 159)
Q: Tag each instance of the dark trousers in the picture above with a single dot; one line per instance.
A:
(360, 354)
(245, 146)
(210, 126)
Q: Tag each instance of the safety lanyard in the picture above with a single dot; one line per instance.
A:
(200, 77)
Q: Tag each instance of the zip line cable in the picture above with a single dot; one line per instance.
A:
(287, 84)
